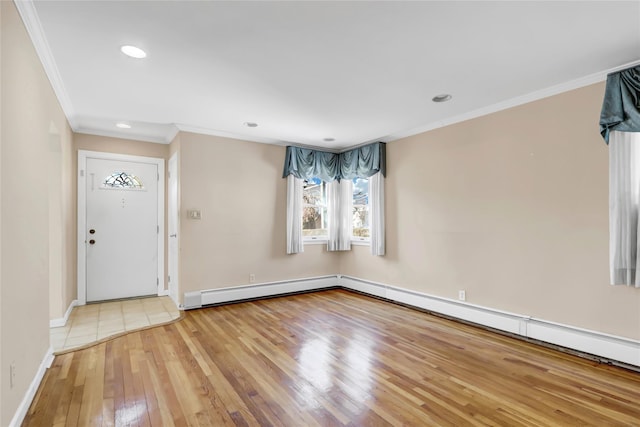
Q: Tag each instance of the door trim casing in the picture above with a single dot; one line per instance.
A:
(82, 214)
(173, 285)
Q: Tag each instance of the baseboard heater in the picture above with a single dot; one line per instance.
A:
(591, 344)
(241, 293)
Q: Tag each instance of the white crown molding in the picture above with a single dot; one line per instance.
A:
(29, 15)
(513, 102)
(122, 135)
(171, 135)
(224, 134)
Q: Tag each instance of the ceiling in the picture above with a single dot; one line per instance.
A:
(306, 71)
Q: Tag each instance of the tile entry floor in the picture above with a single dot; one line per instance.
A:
(94, 322)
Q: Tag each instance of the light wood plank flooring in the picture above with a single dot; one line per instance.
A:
(331, 358)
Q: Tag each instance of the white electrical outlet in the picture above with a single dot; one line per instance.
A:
(462, 295)
(12, 374)
(252, 278)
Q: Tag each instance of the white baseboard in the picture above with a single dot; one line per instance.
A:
(163, 293)
(21, 412)
(223, 295)
(586, 341)
(581, 340)
(56, 323)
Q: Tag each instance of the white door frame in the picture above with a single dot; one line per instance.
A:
(82, 214)
(173, 205)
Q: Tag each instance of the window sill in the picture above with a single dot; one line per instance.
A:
(359, 242)
(321, 241)
(326, 241)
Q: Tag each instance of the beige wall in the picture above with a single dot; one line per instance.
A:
(108, 144)
(239, 188)
(62, 208)
(2, 363)
(511, 207)
(35, 145)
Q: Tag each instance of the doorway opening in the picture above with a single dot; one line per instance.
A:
(120, 226)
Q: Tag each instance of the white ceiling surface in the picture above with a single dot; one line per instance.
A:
(305, 71)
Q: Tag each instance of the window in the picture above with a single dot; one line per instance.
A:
(314, 210)
(315, 215)
(122, 180)
(624, 207)
(360, 226)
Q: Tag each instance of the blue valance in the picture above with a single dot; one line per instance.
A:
(621, 105)
(362, 162)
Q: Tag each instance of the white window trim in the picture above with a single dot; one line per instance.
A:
(323, 240)
(315, 240)
(361, 241)
(358, 240)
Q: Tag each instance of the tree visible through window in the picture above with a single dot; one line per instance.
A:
(314, 209)
(361, 228)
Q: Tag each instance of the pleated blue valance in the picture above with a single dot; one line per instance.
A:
(621, 105)
(362, 162)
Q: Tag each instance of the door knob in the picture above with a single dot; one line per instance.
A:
(92, 242)
(92, 231)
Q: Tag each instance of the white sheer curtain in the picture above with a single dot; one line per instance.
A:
(340, 207)
(376, 211)
(624, 196)
(294, 215)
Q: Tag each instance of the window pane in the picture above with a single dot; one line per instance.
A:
(313, 192)
(360, 191)
(360, 208)
(314, 222)
(122, 180)
(361, 221)
(314, 210)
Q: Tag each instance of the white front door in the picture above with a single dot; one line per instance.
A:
(121, 229)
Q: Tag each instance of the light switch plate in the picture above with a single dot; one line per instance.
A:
(194, 214)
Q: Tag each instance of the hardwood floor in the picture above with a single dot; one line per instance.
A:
(331, 358)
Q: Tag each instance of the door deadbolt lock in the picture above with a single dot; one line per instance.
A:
(92, 231)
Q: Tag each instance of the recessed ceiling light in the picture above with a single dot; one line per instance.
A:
(123, 125)
(134, 52)
(329, 139)
(251, 124)
(441, 98)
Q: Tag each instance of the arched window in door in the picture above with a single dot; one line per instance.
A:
(122, 180)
